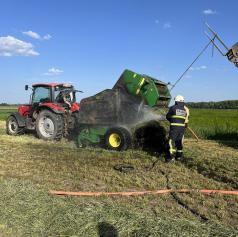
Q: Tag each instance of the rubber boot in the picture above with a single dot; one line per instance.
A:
(179, 155)
(169, 158)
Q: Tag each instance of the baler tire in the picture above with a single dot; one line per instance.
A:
(54, 119)
(117, 139)
(12, 127)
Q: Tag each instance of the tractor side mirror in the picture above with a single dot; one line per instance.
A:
(26, 87)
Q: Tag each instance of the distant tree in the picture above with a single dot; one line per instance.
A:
(4, 104)
(226, 104)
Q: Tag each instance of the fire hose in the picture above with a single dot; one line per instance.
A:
(141, 193)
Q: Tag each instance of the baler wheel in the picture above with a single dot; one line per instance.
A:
(117, 139)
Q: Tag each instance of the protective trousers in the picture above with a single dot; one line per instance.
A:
(176, 134)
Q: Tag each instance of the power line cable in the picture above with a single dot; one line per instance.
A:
(203, 50)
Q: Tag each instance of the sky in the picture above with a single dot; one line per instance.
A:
(89, 43)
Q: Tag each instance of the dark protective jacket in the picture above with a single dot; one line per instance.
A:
(178, 115)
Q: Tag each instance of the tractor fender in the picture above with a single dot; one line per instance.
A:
(53, 108)
(20, 119)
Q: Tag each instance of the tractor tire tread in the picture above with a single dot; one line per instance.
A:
(20, 130)
(58, 119)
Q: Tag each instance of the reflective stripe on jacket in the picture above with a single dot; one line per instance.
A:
(178, 115)
(187, 116)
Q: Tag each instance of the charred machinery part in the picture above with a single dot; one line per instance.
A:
(125, 103)
(110, 117)
(152, 137)
(230, 53)
(124, 168)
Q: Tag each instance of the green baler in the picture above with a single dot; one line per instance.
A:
(131, 112)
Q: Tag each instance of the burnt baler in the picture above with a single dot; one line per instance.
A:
(127, 114)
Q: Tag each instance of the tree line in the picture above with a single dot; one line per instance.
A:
(6, 104)
(226, 104)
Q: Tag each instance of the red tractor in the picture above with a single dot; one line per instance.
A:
(52, 112)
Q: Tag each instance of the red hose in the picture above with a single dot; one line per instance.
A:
(140, 193)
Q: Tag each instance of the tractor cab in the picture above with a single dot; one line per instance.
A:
(57, 97)
(53, 93)
(52, 112)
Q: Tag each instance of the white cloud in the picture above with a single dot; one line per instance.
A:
(156, 21)
(31, 34)
(167, 25)
(203, 67)
(37, 36)
(10, 46)
(53, 72)
(47, 37)
(209, 12)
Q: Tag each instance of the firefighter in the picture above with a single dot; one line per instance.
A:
(178, 117)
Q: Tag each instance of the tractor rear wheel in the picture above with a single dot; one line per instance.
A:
(49, 126)
(12, 127)
(117, 139)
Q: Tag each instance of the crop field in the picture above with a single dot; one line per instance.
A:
(30, 167)
(215, 124)
(5, 110)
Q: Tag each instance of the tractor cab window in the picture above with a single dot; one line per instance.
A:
(58, 95)
(41, 95)
(64, 95)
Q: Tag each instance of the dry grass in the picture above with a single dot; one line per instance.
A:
(30, 167)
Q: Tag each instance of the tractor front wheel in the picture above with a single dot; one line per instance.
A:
(12, 127)
(49, 126)
(117, 139)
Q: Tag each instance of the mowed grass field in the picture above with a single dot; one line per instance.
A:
(30, 167)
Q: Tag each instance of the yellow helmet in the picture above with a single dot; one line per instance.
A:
(179, 98)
